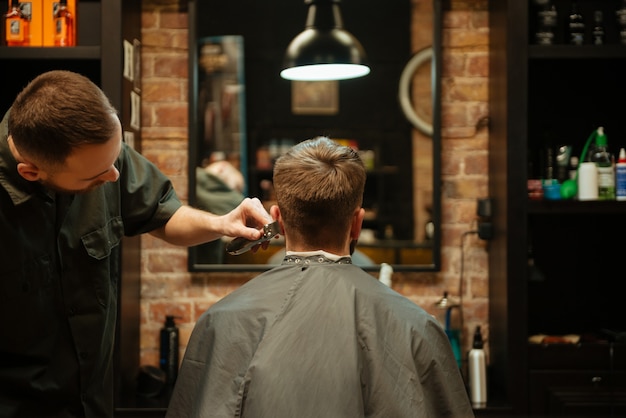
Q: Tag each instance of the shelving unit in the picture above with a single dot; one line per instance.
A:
(102, 27)
(554, 265)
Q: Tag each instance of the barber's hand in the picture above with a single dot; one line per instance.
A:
(247, 221)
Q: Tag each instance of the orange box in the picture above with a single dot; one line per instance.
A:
(49, 7)
(34, 8)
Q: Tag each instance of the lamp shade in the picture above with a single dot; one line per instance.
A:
(324, 50)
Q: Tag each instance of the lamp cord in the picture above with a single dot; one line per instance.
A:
(462, 267)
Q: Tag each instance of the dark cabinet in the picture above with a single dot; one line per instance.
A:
(108, 39)
(581, 380)
(554, 265)
(580, 394)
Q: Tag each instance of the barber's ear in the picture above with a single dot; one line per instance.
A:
(29, 171)
(26, 169)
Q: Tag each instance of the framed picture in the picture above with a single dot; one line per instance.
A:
(315, 97)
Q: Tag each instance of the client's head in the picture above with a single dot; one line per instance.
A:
(319, 188)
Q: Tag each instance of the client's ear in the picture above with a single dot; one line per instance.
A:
(357, 223)
(275, 213)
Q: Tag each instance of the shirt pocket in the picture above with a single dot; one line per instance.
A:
(102, 246)
(101, 242)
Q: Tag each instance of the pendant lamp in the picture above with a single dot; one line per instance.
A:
(324, 50)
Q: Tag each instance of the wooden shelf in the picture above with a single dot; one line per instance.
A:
(50, 53)
(576, 52)
(575, 206)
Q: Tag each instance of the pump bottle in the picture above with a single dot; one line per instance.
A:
(477, 372)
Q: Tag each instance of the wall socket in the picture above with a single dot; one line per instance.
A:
(485, 227)
(483, 208)
(485, 230)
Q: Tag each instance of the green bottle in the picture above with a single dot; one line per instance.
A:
(600, 155)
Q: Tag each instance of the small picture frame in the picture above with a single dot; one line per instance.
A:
(315, 97)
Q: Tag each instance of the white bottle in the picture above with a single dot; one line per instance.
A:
(477, 372)
(385, 274)
(588, 181)
(620, 176)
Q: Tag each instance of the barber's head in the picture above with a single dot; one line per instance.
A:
(319, 188)
(64, 132)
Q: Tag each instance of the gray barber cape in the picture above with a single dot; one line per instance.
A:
(318, 340)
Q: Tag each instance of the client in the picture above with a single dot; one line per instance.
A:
(317, 336)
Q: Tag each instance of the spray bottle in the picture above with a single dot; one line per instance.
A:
(169, 351)
(477, 372)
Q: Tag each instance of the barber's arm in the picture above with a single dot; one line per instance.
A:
(189, 226)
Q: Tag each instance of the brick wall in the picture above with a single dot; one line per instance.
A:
(167, 287)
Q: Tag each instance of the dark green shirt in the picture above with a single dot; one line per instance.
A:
(59, 281)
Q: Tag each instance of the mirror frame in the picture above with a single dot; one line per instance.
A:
(436, 63)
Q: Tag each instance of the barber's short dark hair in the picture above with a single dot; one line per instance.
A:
(58, 111)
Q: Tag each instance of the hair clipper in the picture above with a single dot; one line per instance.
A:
(240, 245)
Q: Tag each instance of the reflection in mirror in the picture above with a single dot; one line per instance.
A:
(243, 115)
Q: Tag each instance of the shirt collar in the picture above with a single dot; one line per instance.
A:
(19, 189)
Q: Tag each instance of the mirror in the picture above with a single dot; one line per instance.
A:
(241, 112)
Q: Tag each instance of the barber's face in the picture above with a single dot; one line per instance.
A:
(86, 168)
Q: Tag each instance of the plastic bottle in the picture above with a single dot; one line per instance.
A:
(477, 371)
(385, 274)
(588, 181)
(603, 159)
(169, 350)
(620, 176)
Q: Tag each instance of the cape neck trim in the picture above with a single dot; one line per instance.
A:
(315, 257)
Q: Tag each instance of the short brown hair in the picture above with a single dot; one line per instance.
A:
(319, 184)
(58, 111)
